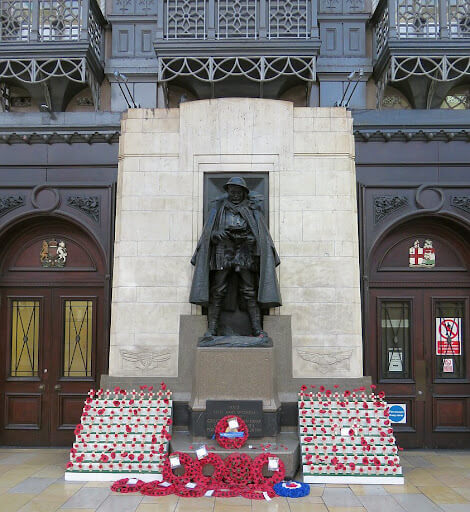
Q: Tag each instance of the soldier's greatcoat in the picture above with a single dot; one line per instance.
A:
(268, 287)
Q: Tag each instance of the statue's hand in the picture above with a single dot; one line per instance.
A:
(218, 236)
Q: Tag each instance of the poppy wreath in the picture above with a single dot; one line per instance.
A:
(257, 470)
(190, 492)
(226, 491)
(192, 469)
(230, 442)
(211, 459)
(238, 469)
(292, 489)
(124, 487)
(155, 489)
(257, 492)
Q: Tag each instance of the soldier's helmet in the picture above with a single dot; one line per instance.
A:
(240, 182)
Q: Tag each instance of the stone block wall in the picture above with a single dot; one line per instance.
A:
(309, 155)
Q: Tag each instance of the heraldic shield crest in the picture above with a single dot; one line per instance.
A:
(422, 257)
(53, 253)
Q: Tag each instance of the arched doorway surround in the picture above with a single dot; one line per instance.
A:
(52, 328)
(417, 339)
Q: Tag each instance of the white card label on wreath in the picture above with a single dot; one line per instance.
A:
(266, 496)
(209, 493)
(201, 452)
(273, 463)
(191, 485)
(164, 484)
(233, 423)
(175, 461)
(132, 481)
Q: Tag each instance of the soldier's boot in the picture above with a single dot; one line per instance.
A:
(255, 316)
(213, 315)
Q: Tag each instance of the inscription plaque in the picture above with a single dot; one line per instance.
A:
(250, 411)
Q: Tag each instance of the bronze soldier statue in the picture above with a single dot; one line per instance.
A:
(235, 239)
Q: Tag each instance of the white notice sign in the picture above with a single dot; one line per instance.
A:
(395, 360)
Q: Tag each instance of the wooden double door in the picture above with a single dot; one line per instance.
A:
(49, 361)
(421, 358)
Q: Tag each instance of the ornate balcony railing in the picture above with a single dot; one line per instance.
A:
(421, 38)
(260, 40)
(40, 39)
(245, 19)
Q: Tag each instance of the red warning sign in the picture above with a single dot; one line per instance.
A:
(448, 336)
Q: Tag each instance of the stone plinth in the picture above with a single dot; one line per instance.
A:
(223, 373)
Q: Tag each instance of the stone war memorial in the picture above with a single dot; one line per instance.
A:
(236, 282)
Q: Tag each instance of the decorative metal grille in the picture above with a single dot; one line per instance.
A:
(185, 19)
(453, 352)
(94, 33)
(24, 338)
(237, 18)
(78, 338)
(459, 18)
(216, 69)
(381, 31)
(15, 20)
(288, 18)
(32, 70)
(417, 18)
(59, 20)
(440, 68)
(395, 340)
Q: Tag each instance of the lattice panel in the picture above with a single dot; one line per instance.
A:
(381, 31)
(347, 438)
(237, 18)
(15, 20)
(33, 71)
(459, 18)
(288, 18)
(185, 19)
(418, 18)
(257, 69)
(95, 33)
(122, 434)
(59, 20)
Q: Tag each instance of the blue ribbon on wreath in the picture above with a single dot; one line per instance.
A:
(291, 489)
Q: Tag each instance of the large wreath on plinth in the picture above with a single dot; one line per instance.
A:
(228, 436)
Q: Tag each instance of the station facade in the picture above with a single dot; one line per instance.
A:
(69, 69)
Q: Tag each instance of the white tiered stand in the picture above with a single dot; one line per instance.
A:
(122, 435)
(347, 439)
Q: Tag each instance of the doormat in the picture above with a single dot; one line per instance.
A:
(347, 437)
(122, 434)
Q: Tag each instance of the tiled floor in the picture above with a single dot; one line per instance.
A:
(435, 480)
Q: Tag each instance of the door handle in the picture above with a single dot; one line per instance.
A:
(42, 387)
(57, 387)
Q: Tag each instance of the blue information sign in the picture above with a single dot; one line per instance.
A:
(398, 413)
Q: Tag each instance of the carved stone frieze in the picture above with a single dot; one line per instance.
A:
(90, 205)
(385, 205)
(461, 202)
(8, 203)
(327, 360)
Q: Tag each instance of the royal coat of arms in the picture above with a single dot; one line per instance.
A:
(422, 257)
(53, 253)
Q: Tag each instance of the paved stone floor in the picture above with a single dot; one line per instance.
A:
(32, 480)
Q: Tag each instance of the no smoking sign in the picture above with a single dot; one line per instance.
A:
(448, 336)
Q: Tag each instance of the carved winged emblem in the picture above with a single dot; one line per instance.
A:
(145, 360)
(324, 360)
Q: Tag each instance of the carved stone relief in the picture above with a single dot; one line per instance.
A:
(461, 202)
(326, 360)
(144, 360)
(8, 203)
(385, 205)
(90, 205)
